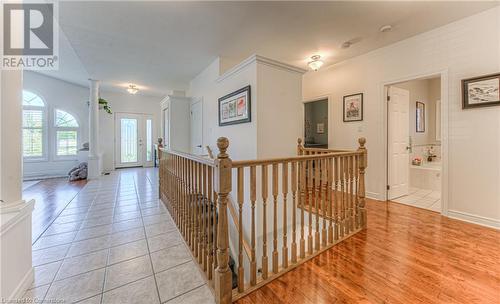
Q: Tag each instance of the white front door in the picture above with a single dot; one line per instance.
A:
(398, 136)
(133, 140)
(197, 128)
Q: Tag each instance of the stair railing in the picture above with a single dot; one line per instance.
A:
(294, 208)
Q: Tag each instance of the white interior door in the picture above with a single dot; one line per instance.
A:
(197, 128)
(133, 140)
(398, 136)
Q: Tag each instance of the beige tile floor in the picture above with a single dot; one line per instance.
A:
(422, 198)
(116, 243)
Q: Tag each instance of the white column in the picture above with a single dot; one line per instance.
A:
(15, 214)
(94, 154)
(11, 164)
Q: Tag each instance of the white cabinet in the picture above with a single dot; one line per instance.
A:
(175, 122)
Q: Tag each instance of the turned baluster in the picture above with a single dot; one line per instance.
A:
(284, 190)
(330, 198)
(204, 217)
(302, 199)
(264, 222)
(317, 200)
(275, 218)
(241, 190)
(210, 193)
(253, 197)
(310, 199)
(294, 211)
(324, 201)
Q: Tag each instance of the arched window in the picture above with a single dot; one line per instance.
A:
(66, 127)
(33, 126)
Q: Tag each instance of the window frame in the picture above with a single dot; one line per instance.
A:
(45, 129)
(56, 129)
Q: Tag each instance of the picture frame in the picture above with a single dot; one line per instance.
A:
(420, 117)
(482, 91)
(235, 107)
(353, 107)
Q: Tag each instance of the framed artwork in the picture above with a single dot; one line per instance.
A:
(481, 91)
(420, 117)
(234, 108)
(353, 107)
(320, 128)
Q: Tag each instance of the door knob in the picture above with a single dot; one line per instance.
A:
(198, 146)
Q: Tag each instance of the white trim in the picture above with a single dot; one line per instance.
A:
(23, 285)
(19, 211)
(444, 132)
(263, 60)
(475, 219)
(374, 196)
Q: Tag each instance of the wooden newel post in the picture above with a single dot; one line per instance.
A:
(363, 162)
(223, 276)
(299, 146)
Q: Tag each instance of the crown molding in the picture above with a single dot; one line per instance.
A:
(262, 60)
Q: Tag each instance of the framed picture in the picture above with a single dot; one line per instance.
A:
(235, 108)
(481, 91)
(353, 107)
(420, 117)
(320, 128)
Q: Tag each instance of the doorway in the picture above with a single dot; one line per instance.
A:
(414, 143)
(316, 124)
(197, 127)
(133, 140)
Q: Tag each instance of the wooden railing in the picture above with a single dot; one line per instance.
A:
(286, 210)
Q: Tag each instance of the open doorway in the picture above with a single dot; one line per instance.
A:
(316, 124)
(414, 143)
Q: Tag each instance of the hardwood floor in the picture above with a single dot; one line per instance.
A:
(51, 197)
(406, 255)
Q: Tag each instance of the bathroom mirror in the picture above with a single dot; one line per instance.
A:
(420, 112)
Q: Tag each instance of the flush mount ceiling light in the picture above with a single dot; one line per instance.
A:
(385, 28)
(132, 89)
(316, 62)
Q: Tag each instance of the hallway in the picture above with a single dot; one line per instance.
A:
(116, 243)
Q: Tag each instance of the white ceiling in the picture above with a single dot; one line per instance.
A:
(161, 46)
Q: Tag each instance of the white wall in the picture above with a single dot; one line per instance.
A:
(61, 95)
(466, 48)
(207, 87)
(124, 103)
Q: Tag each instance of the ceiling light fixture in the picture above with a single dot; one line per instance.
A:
(386, 28)
(132, 89)
(316, 62)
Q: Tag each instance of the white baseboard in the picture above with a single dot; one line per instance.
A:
(23, 286)
(475, 219)
(374, 196)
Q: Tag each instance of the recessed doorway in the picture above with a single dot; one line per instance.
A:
(134, 140)
(414, 143)
(316, 124)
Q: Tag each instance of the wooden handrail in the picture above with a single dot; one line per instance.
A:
(270, 161)
(196, 158)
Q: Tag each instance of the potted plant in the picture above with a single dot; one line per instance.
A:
(103, 104)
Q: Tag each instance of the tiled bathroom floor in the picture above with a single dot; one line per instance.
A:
(421, 198)
(116, 243)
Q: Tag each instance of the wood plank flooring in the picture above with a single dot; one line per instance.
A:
(406, 255)
(51, 197)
